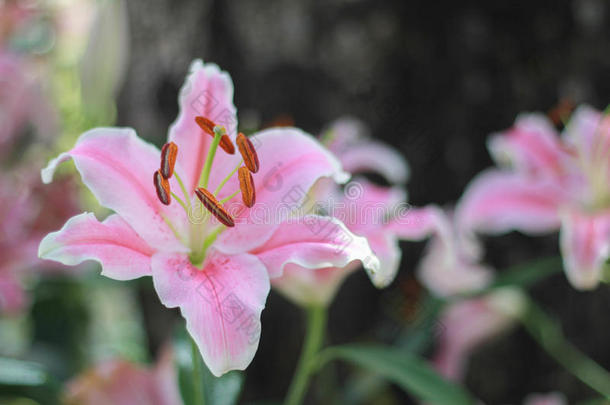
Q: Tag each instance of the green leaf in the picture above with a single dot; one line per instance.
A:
(528, 274)
(23, 373)
(410, 372)
(222, 390)
(420, 334)
(547, 332)
(595, 401)
(26, 379)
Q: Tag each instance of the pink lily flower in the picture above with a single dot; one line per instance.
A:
(467, 324)
(22, 101)
(451, 266)
(350, 140)
(120, 382)
(553, 182)
(28, 212)
(377, 213)
(214, 263)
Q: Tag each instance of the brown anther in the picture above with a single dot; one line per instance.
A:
(246, 185)
(247, 152)
(205, 124)
(169, 151)
(226, 144)
(162, 187)
(214, 206)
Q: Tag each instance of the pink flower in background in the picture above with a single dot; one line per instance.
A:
(13, 15)
(467, 324)
(372, 212)
(27, 212)
(119, 382)
(350, 140)
(547, 182)
(451, 266)
(22, 101)
(553, 398)
(215, 266)
(377, 213)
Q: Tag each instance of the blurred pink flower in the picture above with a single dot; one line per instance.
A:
(553, 398)
(467, 324)
(119, 382)
(452, 266)
(377, 213)
(22, 101)
(552, 183)
(350, 140)
(217, 275)
(29, 211)
(451, 263)
(13, 15)
(372, 212)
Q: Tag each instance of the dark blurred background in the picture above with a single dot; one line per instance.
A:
(433, 79)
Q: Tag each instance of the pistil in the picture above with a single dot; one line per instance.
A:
(200, 240)
(207, 167)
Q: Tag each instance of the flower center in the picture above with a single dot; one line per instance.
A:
(201, 234)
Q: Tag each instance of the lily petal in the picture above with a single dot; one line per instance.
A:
(498, 201)
(207, 92)
(531, 145)
(316, 242)
(117, 166)
(446, 272)
(462, 328)
(350, 141)
(290, 163)
(363, 206)
(311, 286)
(221, 304)
(583, 132)
(113, 243)
(585, 247)
(452, 261)
(385, 247)
(416, 224)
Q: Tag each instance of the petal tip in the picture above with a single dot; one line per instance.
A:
(47, 173)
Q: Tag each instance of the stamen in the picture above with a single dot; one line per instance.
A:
(248, 152)
(205, 124)
(227, 145)
(211, 203)
(229, 197)
(224, 181)
(246, 185)
(168, 159)
(162, 187)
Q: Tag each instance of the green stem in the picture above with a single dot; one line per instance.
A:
(224, 200)
(550, 337)
(316, 324)
(207, 167)
(197, 375)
